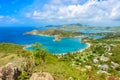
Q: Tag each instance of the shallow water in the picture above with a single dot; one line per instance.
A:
(91, 31)
(16, 35)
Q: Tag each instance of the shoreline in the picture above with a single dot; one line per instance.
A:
(26, 46)
(72, 52)
(42, 35)
(81, 50)
(55, 37)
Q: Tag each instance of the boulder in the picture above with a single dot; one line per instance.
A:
(41, 76)
(9, 72)
(112, 78)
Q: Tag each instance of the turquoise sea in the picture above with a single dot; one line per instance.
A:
(92, 31)
(16, 35)
(87, 32)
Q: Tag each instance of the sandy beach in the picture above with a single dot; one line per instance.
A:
(81, 50)
(88, 45)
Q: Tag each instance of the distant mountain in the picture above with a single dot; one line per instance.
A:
(70, 25)
(77, 24)
(53, 26)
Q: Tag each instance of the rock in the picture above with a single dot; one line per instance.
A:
(41, 76)
(9, 72)
(109, 78)
(112, 78)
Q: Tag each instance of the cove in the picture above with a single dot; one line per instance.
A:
(16, 35)
(65, 45)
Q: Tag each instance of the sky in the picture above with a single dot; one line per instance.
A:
(47, 12)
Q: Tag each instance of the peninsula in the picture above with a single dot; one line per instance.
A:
(58, 34)
(99, 61)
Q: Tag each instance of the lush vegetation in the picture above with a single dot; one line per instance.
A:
(56, 32)
(95, 63)
(76, 66)
(9, 52)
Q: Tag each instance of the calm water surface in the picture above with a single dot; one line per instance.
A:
(16, 35)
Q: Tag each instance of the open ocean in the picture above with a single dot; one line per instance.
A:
(16, 35)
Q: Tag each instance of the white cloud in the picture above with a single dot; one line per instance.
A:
(8, 20)
(115, 14)
(94, 11)
(13, 20)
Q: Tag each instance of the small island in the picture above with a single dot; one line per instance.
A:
(57, 38)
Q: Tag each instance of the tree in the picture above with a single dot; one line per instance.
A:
(31, 59)
(39, 54)
(24, 76)
(27, 66)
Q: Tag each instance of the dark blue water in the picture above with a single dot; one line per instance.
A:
(16, 35)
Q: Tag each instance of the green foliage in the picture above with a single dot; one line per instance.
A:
(98, 49)
(8, 48)
(9, 52)
(61, 33)
(24, 76)
(67, 66)
(39, 53)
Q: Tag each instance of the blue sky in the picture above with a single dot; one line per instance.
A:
(45, 12)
